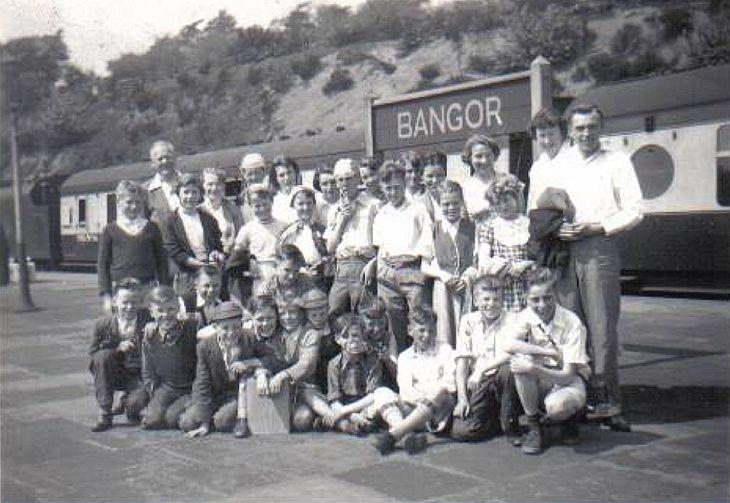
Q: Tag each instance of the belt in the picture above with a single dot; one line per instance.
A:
(402, 262)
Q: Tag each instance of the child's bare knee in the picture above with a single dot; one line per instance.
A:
(302, 418)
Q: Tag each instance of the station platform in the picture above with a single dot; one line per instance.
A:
(675, 369)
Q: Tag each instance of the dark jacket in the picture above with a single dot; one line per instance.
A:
(170, 364)
(107, 336)
(454, 256)
(544, 245)
(176, 241)
(212, 379)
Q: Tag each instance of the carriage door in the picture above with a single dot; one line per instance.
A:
(111, 207)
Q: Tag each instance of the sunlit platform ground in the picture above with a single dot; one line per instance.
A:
(675, 370)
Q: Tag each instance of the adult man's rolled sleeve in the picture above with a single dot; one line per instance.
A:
(628, 198)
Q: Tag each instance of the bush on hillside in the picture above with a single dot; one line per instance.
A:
(675, 22)
(627, 41)
(306, 67)
(429, 72)
(340, 80)
(606, 68)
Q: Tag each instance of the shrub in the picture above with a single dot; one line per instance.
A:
(340, 80)
(675, 22)
(627, 41)
(429, 72)
(306, 67)
(480, 64)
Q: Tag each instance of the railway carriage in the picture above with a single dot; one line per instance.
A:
(676, 128)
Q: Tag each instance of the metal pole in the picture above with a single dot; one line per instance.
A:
(26, 302)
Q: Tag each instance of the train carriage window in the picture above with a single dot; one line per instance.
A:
(82, 212)
(111, 207)
(723, 181)
(654, 169)
(723, 138)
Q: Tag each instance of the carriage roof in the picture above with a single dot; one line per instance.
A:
(307, 151)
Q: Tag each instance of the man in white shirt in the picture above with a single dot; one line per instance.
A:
(403, 235)
(349, 237)
(549, 130)
(603, 187)
(162, 195)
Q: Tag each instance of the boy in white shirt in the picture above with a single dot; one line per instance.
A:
(403, 235)
(426, 384)
(550, 363)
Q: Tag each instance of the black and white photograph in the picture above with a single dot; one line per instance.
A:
(377, 251)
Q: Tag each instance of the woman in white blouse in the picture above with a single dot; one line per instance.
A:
(480, 153)
(283, 177)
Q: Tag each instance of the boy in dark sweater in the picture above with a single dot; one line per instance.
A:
(168, 360)
(115, 355)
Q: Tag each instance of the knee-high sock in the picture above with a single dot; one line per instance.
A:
(529, 393)
(242, 399)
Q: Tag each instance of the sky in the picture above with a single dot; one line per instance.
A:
(97, 31)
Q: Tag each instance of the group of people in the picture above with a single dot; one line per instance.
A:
(386, 298)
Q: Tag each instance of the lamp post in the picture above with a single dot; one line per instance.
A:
(26, 302)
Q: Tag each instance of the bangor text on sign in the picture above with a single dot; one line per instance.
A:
(421, 119)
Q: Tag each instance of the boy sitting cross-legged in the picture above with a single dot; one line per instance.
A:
(168, 360)
(115, 355)
(426, 383)
(352, 376)
(222, 359)
(550, 364)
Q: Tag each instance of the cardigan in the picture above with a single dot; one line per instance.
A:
(176, 241)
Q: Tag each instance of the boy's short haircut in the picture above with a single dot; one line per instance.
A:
(128, 188)
(478, 139)
(371, 163)
(132, 284)
(392, 170)
(210, 270)
(218, 173)
(414, 158)
(585, 109)
(547, 118)
(540, 276)
(322, 169)
(289, 251)
(162, 294)
(288, 298)
(372, 307)
(344, 322)
(314, 298)
(435, 158)
(502, 186)
(390, 165)
(423, 315)
(261, 190)
(190, 180)
(488, 282)
(260, 303)
(452, 187)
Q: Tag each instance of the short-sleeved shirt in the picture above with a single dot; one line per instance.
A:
(281, 208)
(357, 236)
(403, 231)
(302, 354)
(565, 332)
(480, 342)
(261, 240)
(422, 375)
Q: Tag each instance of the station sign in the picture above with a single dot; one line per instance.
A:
(496, 106)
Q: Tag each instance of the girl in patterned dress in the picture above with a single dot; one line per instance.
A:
(501, 247)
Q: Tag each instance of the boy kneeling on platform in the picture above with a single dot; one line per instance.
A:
(223, 358)
(549, 362)
(426, 382)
